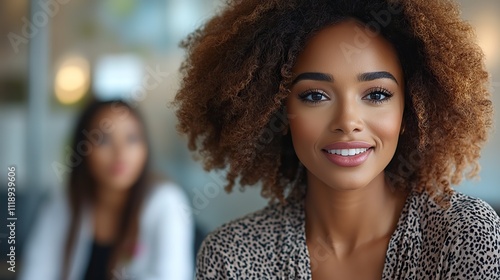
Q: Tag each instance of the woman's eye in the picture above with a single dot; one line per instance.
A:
(378, 96)
(313, 96)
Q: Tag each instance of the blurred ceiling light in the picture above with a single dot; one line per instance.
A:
(72, 80)
(488, 37)
(118, 76)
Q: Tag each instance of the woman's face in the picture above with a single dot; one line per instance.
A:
(119, 149)
(346, 106)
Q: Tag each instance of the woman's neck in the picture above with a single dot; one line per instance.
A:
(111, 200)
(348, 219)
(107, 213)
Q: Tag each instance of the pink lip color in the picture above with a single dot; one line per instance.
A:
(347, 161)
(117, 169)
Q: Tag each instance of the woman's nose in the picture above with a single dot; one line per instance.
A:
(346, 117)
(118, 149)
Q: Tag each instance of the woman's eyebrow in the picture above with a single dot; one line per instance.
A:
(317, 76)
(364, 77)
(370, 76)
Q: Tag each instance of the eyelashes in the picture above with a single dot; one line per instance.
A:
(383, 95)
(313, 96)
(375, 95)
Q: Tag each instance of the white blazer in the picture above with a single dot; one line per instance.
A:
(166, 238)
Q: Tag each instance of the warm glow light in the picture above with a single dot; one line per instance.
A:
(72, 80)
(488, 37)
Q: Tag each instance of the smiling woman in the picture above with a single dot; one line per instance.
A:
(384, 113)
(360, 101)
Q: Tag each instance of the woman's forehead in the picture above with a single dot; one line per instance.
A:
(348, 47)
(115, 119)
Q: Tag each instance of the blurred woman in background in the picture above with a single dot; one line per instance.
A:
(116, 221)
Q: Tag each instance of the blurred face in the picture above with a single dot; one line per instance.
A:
(346, 106)
(119, 150)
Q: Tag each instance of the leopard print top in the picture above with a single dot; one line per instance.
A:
(430, 242)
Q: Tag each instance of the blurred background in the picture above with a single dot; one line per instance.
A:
(53, 57)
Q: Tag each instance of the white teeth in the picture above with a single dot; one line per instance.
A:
(347, 152)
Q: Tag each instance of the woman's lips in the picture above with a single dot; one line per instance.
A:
(117, 169)
(348, 154)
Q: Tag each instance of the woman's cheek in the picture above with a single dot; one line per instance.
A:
(139, 158)
(98, 161)
(386, 126)
(306, 129)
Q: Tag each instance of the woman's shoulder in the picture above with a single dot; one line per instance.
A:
(264, 237)
(166, 197)
(166, 190)
(465, 208)
(464, 238)
(227, 234)
(260, 228)
(464, 214)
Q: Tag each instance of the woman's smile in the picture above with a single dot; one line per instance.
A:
(347, 154)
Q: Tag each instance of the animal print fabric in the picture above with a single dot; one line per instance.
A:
(430, 242)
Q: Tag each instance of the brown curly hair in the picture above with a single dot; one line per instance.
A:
(237, 74)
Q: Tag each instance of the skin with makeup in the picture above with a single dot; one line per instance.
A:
(354, 117)
(346, 120)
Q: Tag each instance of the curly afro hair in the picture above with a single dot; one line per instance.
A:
(237, 74)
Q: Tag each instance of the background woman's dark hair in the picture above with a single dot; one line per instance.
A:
(238, 71)
(82, 189)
